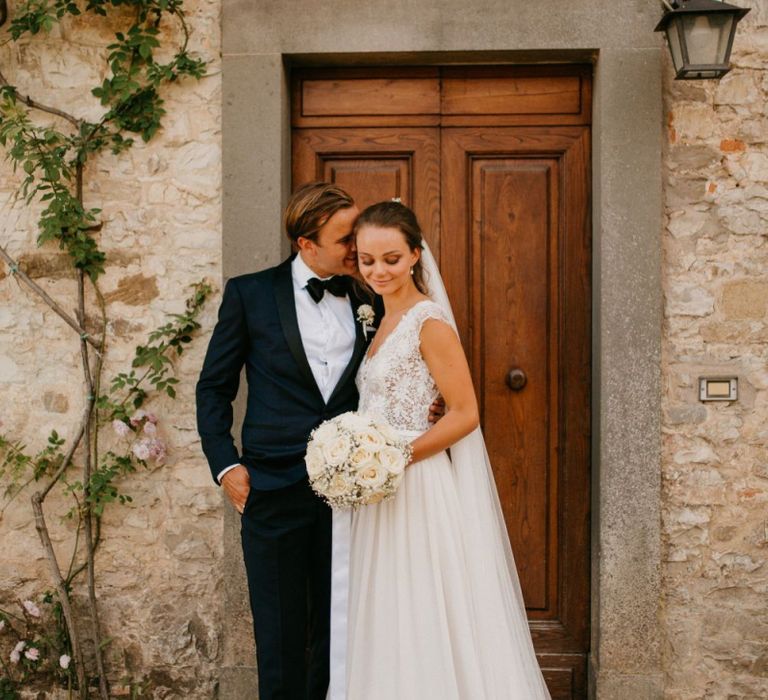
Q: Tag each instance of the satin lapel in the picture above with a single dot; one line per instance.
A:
(360, 346)
(286, 309)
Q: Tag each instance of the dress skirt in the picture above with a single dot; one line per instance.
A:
(417, 627)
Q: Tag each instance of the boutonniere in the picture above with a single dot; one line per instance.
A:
(366, 316)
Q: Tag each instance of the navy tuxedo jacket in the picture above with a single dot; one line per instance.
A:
(258, 329)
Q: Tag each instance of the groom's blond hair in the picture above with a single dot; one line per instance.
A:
(311, 206)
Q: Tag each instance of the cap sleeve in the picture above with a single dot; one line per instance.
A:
(428, 310)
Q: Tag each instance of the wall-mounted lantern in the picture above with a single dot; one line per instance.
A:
(700, 36)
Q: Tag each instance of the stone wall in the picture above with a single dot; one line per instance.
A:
(159, 563)
(715, 455)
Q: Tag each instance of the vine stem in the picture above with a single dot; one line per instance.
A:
(88, 462)
(67, 458)
(17, 272)
(61, 589)
(34, 104)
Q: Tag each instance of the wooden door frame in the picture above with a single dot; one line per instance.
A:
(395, 131)
(627, 214)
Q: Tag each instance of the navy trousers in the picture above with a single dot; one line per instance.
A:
(286, 537)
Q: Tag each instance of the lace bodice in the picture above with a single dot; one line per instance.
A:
(395, 384)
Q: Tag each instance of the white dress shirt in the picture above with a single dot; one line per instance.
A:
(327, 330)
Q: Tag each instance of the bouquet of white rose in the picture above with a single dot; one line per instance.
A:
(352, 460)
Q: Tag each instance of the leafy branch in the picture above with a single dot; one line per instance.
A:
(54, 159)
(127, 390)
(18, 469)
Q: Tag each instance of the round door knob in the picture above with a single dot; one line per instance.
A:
(516, 379)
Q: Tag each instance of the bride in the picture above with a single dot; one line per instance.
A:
(434, 608)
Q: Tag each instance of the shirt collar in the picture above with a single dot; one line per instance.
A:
(301, 272)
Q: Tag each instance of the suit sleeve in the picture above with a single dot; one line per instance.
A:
(219, 381)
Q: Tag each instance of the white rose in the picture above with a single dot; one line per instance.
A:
(137, 417)
(31, 608)
(354, 422)
(372, 476)
(360, 458)
(314, 461)
(373, 498)
(338, 486)
(140, 449)
(392, 459)
(365, 313)
(320, 485)
(325, 432)
(16, 652)
(336, 451)
(371, 438)
(64, 660)
(121, 428)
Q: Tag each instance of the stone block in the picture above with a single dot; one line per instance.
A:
(135, 290)
(756, 166)
(55, 403)
(732, 146)
(737, 88)
(740, 220)
(689, 299)
(10, 370)
(687, 223)
(693, 157)
(744, 299)
(695, 121)
(685, 414)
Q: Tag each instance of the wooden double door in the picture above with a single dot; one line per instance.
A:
(495, 163)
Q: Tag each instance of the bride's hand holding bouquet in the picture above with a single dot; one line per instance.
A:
(353, 460)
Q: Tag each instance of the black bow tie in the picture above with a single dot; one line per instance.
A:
(338, 286)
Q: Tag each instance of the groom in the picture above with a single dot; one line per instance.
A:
(294, 329)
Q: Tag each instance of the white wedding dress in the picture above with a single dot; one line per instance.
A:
(435, 609)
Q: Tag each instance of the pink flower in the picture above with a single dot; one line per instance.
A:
(157, 450)
(150, 428)
(31, 608)
(64, 661)
(140, 449)
(121, 428)
(33, 653)
(138, 417)
(152, 418)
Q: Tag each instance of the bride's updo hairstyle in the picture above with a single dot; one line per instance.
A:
(392, 214)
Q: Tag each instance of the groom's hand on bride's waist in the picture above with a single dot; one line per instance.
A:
(436, 410)
(236, 484)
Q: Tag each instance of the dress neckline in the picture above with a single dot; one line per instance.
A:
(368, 356)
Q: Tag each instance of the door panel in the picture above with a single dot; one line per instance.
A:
(376, 164)
(514, 207)
(506, 212)
(513, 231)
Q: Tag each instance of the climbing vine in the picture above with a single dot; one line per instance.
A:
(53, 151)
